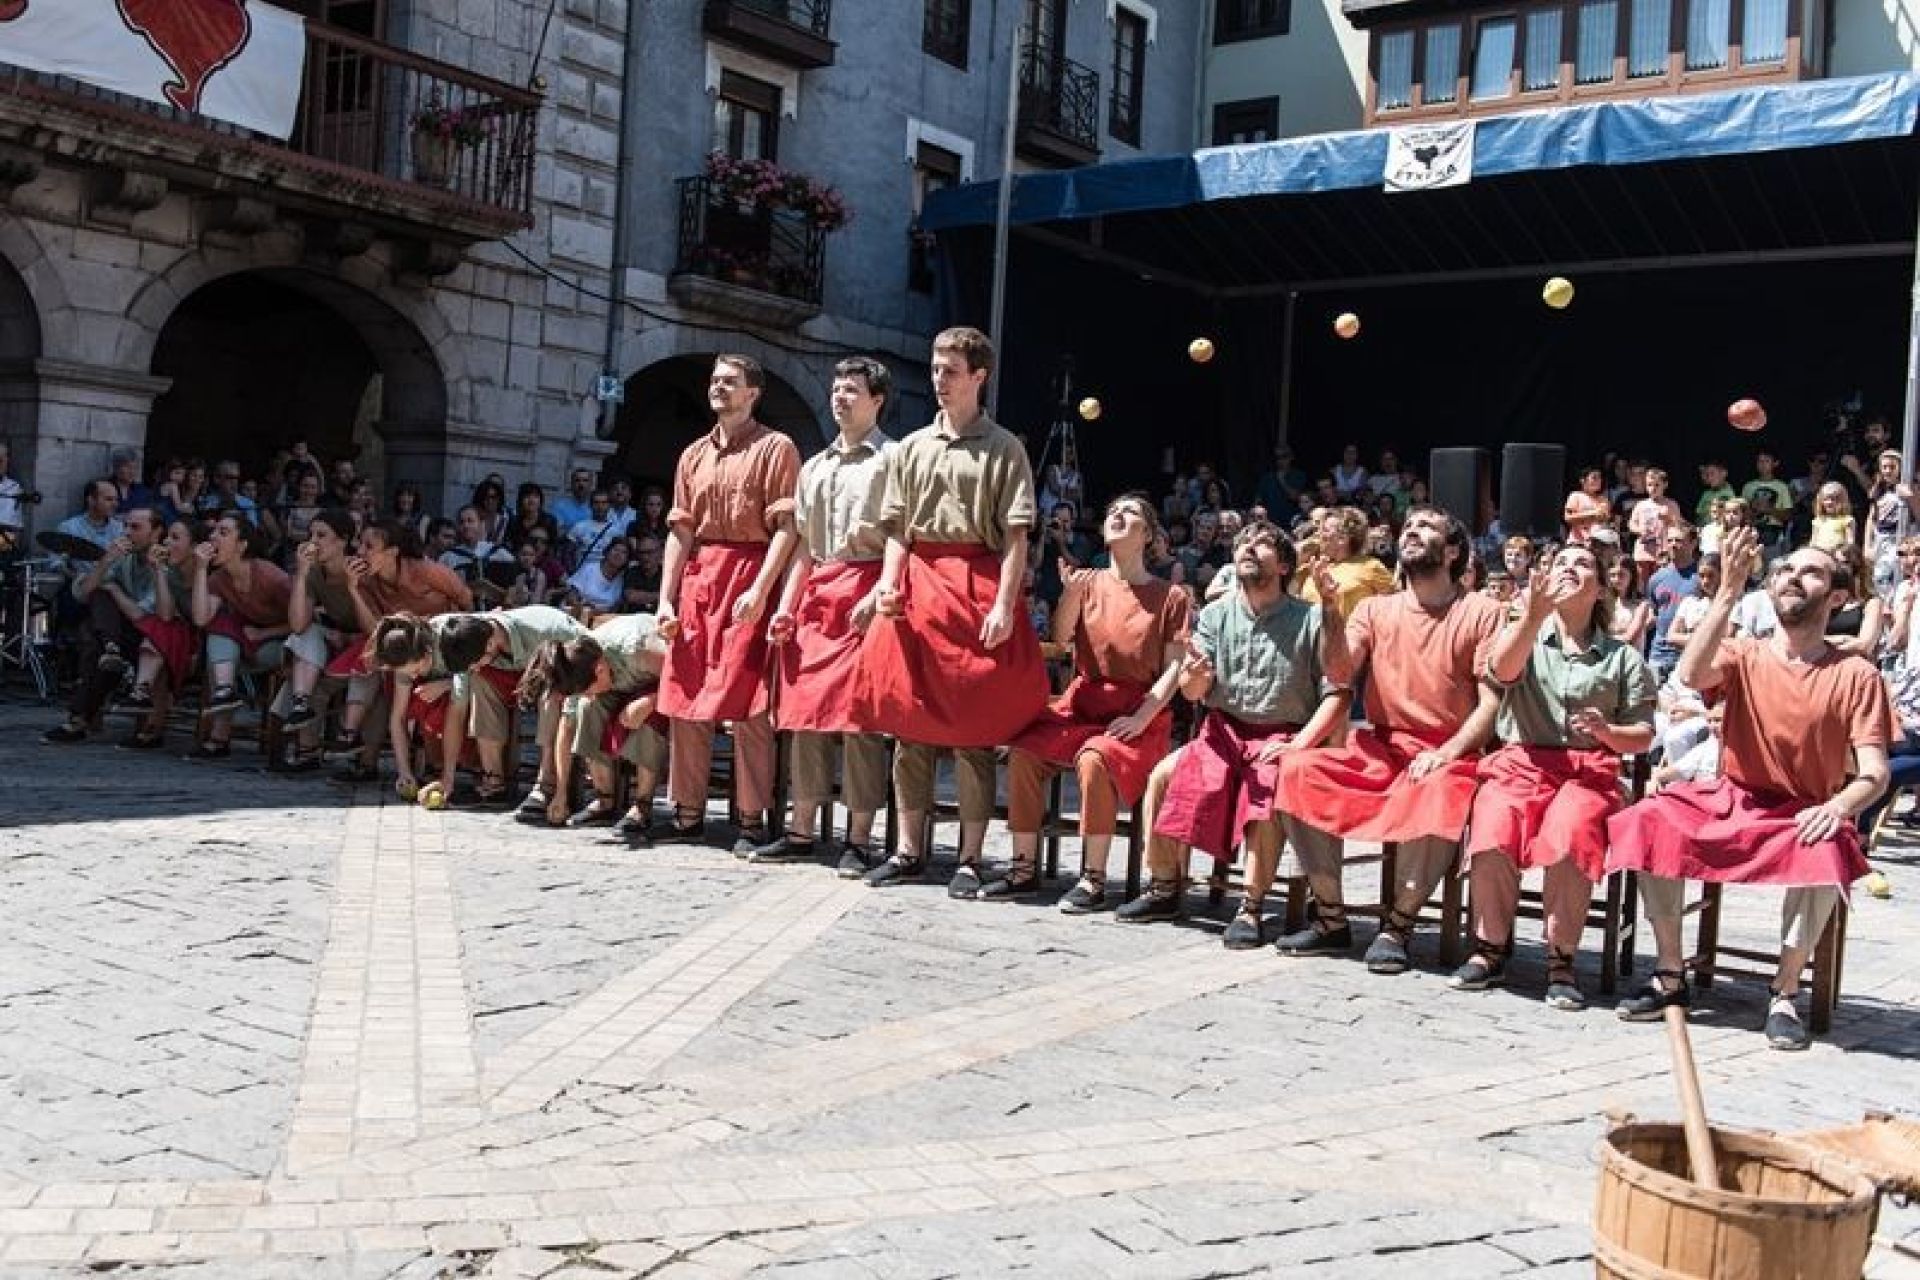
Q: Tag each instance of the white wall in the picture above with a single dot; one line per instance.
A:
(1872, 36)
(1318, 70)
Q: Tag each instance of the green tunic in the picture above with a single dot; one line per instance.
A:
(1266, 667)
(530, 627)
(1609, 676)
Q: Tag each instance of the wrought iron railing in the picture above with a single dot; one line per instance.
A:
(361, 106)
(1059, 96)
(808, 15)
(775, 250)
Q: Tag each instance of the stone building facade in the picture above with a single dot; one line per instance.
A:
(180, 287)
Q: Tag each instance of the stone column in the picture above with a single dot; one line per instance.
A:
(80, 414)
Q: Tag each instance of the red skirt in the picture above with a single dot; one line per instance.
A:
(924, 676)
(1077, 721)
(352, 659)
(1218, 789)
(1361, 791)
(819, 661)
(174, 641)
(225, 624)
(1722, 832)
(430, 718)
(716, 669)
(1545, 804)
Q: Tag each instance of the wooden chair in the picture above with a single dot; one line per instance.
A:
(1711, 958)
(824, 823)
(259, 689)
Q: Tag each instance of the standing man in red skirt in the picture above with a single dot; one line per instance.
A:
(952, 663)
(1803, 751)
(730, 532)
(1409, 776)
(1575, 700)
(830, 598)
(1256, 663)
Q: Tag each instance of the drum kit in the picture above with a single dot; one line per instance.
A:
(29, 589)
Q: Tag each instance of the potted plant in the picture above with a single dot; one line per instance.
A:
(439, 131)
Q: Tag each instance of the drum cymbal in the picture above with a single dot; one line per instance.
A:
(65, 544)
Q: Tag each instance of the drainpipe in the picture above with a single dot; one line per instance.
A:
(622, 176)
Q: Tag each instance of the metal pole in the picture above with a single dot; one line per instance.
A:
(1910, 420)
(1286, 374)
(1002, 217)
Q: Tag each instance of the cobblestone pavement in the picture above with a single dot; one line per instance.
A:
(261, 1027)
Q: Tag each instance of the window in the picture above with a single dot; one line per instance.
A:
(1598, 34)
(1650, 37)
(1763, 31)
(1129, 70)
(746, 117)
(1440, 80)
(1707, 23)
(934, 169)
(1250, 19)
(1493, 58)
(1541, 70)
(944, 31)
(1394, 85)
(1252, 120)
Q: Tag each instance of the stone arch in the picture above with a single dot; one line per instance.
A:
(20, 347)
(666, 409)
(376, 376)
(808, 376)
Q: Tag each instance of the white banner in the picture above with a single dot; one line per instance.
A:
(1422, 157)
(234, 60)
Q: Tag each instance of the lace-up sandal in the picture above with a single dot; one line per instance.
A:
(1388, 954)
(1563, 985)
(1086, 897)
(1017, 880)
(1161, 900)
(1486, 967)
(1247, 929)
(1651, 1001)
(1326, 933)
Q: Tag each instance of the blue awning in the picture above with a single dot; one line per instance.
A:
(1742, 122)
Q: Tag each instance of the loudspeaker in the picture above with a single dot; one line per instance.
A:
(1461, 482)
(1533, 484)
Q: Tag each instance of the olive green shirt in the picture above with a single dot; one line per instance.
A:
(943, 487)
(1266, 667)
(842, 489)
(1609, 676)
(528, 628)
(632, 648)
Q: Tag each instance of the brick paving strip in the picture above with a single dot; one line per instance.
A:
(390, 1049)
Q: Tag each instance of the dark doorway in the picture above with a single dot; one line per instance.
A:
(666, 410)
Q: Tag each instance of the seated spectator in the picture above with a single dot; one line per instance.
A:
(530, 583)
(410, 510)
(1632, 612)
(595, 587)
(653, 516)
(1350, 479)
(588, 538)
(489, 502)
(298, 515)
(473, 554)
(620, 507)
(642, 591)
(1204, 553)
(1344, 539)
(571, 507)
(240, 602)
(1713, 486)
(96, 521)
(225, 495)
(530, 513)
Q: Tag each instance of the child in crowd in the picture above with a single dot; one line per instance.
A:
(1833, 525)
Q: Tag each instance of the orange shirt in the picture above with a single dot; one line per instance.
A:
(263, 603)
(1791, 726)
(1124, 630)
(423, 587)
(735, 492)
(1421, 665)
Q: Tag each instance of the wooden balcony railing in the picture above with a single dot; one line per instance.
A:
(363, 105)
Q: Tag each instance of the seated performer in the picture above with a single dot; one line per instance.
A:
(240, 602)
(117, 591)
(1803, 752)
(1256, 662)
(951, 663)
(1575, 700)
(1408, 777)
(823, 614)
(608, 679)
(1128, 630)
(167, 639)
(324, 625)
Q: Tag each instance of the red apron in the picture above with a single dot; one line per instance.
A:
(352, 659)
(1218, 789)
(1362, 791)
(924, 676)
(1077, 721)
(174, 641)
(430, 718)
(1545, 804)
(1722, 832)
(715, 669)
(819, 661)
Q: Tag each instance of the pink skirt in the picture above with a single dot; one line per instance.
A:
(1362, 791)
(1218, 788)
(1077, 721)
(1545, 804)
(1722, 832)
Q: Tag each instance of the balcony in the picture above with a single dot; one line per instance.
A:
(1059, 109)
(357, 162)
(790, 31)
(758, 263)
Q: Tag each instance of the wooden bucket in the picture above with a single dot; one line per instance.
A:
(1797, 1214)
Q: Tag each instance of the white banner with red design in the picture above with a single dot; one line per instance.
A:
(234, 60)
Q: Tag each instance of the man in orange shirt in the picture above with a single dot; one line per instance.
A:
(731, 530)
(1408, 777)
(1803, 751)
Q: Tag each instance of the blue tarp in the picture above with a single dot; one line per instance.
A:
(1772, 118)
